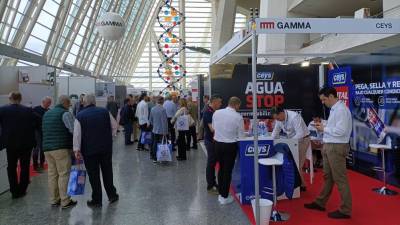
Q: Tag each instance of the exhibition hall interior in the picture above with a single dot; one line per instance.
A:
(200, 112)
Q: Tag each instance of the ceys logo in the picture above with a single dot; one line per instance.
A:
(263, 150)
(339, 78)
(265, 76)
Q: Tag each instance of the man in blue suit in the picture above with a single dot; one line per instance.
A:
(18, 124)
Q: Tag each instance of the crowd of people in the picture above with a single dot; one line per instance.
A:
(59, 136)
(86, 132)
(69, 134)
(144, 114)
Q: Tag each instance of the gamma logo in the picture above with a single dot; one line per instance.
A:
(267, 25)
(265, 76)
(339, 78)
(300, 25)
(263, 150)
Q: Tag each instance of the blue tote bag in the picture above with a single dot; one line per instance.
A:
(77, 180)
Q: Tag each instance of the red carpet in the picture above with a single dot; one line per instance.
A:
(369, 208)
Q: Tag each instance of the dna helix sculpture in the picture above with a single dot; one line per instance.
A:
(170, 45)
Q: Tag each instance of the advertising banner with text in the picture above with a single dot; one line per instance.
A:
(294, 87)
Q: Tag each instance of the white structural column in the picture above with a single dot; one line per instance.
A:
(223, 22)
(182, 55)
(272, 43)
(279, 43)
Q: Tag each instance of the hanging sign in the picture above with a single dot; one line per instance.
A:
(327, 25)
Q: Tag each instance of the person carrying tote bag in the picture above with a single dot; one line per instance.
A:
(182, 121)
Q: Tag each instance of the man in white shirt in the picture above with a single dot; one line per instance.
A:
(228, 127)
(336, 147)
(142, 113)
(293, 125)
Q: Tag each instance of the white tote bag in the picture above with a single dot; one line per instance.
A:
(182, 122)
(164, 151)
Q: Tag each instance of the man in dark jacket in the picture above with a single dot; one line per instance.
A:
(127, 116)
(39, 111)
(18, 124)
(112, 106)
(94, 128)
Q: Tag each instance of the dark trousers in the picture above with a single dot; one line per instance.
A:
(24, 158)
(93, 165)
(226, 155)
(211, 162)
(193, 136)
(128, 128)
(38, 151)
(143, 128)
(156, 140)
(182, 143)
(171, 131)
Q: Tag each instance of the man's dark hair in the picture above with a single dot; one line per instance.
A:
(206, 97)
(215, 97)
(276, 110)
(160, 100)
(316, 115)
(326, 91)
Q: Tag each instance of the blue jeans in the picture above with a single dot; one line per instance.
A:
(128, 132)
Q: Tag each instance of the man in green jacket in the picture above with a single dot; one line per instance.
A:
(58, 127)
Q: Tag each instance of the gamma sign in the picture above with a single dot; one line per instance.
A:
(327, 25)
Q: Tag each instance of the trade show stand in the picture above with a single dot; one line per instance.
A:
(243, 174)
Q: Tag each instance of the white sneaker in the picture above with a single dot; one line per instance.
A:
(220, 199)
(226, 201)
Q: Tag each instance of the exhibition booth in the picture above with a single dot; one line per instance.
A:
(367, 79)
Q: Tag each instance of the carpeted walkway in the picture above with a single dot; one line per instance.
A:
(369, 208)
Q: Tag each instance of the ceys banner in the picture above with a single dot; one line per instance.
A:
(294, 87)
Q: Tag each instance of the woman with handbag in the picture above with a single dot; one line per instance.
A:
(182, 121)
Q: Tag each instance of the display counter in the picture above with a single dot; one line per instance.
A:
(3, 172)
(243, 174)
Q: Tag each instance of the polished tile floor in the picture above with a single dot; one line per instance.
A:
(150, 194)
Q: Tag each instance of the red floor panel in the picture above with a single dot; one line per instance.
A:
(369, 208)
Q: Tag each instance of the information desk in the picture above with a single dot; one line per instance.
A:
(3, 172)
(243, 174)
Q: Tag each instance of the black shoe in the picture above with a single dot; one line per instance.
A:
(129, 143)
(180, 158)
(56, 204)
(113, 199)
(139, 149)
(18, 195)
(93, 204)
(194, 147)
(338, 215)
(154, 161)
(314, 206)
(303, 189)
(71, 203)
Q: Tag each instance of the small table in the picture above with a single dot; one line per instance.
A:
(276, 160)
(382, 190)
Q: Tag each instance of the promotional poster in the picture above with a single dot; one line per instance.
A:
(373, 96)
(294, 87)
